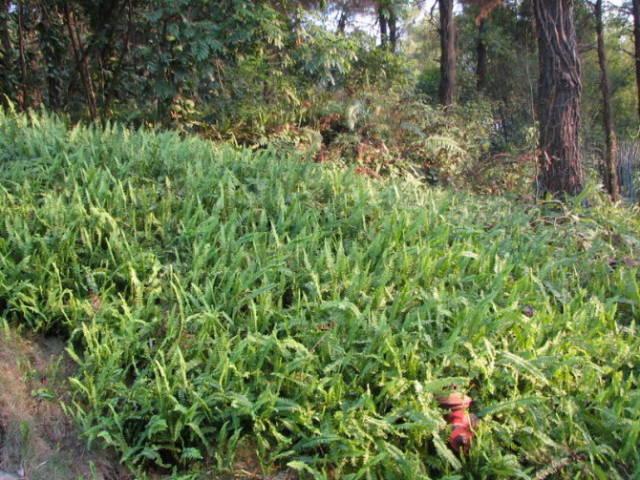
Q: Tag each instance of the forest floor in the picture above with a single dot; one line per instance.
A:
(38, 441)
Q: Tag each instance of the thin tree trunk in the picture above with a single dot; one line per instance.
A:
(559, 90)
(82, 61)
(611, 147)
(393, 30)
(6, 55)
(4, 28)
(342, 21)
(24, 101)
(384, 36)
(636, 36)
(481, 53)
(447, 53)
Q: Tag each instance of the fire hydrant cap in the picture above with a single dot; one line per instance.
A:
(455, 401)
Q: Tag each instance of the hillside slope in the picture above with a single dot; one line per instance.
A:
(217, 299)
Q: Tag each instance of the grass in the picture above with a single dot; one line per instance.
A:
(219, 299)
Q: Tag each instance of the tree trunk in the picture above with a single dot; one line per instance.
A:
(481, 53)
(393, 30)
(636, 36)
(559, 89)
(82, 61)
(382, 19)
(611, 147)
(6, 54)
(342, 21)
(447, 53)
(4, 28)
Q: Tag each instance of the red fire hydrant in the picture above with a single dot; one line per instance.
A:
(460, 419)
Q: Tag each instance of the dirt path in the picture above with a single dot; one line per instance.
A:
(37, 441)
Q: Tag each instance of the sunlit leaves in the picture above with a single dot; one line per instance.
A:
(215, 296)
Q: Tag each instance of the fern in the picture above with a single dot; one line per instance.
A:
(436, 144)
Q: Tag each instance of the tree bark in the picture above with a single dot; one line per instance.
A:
(342, 21)
(384, 36)
(447, 53)
(4, 28)
(82, 61)
(393, 30)
(636, 36)
(7, 54)
(559, 89)
(611, 147)
(481, 53)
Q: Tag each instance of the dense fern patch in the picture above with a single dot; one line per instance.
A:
(216, 297)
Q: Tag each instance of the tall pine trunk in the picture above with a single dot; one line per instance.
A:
(559, 89)
(636, 36)
(6, 54)
(611, 153)
(447, 53)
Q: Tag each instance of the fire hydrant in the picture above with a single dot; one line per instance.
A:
(460, 419)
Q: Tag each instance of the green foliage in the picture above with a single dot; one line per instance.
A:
(325, 58)
(428, 82)
(512, 69)
(215, 296)
(398, 133)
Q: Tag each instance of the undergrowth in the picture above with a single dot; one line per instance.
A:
(217, 298)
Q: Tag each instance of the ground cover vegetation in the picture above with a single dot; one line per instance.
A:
(216, 297)
(262, 239)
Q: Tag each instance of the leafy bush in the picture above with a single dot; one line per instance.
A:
(395, 132)
(216, 297)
